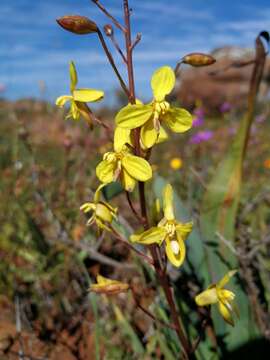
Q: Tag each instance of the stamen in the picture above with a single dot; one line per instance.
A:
(110, 156)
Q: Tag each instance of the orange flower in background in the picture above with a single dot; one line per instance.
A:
(266, 163)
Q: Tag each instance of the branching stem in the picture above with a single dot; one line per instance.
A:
(111, 60)
(110, 16)
(119, 237)
(148, 313)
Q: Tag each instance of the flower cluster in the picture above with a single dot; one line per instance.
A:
(124, 165)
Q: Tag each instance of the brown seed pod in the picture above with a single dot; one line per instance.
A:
(110, 289)
(108, 29)
(198, 59)
(77, 24)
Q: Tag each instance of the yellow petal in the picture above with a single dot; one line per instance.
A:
(149, 134)
(163, 136)
(178, 258)
(61, 100)
(86, 207)
(112, 209)
(138, 102)
(127, 181)
(178, 120)
(207, 297)
(75, 113)
(105, 171)
(103, 212)
(121, 137)
(225, 295)
(226, 312)
(226, 278)
(87, 95)
(162, 82)
(100, 224)
(97, 193)
(133, 116)
(168, 202)
(85, 112)
(135, 238)
(73, 76)
(101, 280)
(154, 235)
(137, 167)
(184, 229)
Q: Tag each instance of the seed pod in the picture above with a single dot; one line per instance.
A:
(198, 59)
(77, 24)
(108, 286)
(108, 29)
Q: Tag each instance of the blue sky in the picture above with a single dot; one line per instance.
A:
(34, 48)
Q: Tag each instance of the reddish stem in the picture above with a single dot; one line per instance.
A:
(162, 276)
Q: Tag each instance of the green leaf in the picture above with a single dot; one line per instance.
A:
(112, 190)
(126, 328)
(218, 215)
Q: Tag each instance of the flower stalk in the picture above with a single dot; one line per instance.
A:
(162, 276)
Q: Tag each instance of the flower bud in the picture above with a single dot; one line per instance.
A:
(77, 24)
(198, 59)
(108, 29)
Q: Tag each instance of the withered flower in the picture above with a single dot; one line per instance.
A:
(108, 287)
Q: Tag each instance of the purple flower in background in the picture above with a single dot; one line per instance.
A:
(232, 130)
(198, 119)
(199, 112)
(260, 118)
(201, 136)
(253, 129)
(225, 107)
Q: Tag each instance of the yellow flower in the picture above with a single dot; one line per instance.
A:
(102, 212)
(122, 165)
(108, 286)
(150, 116)
(176, 163)
(169, 230)
(224, 298)
(122, 135)
(79, 98)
